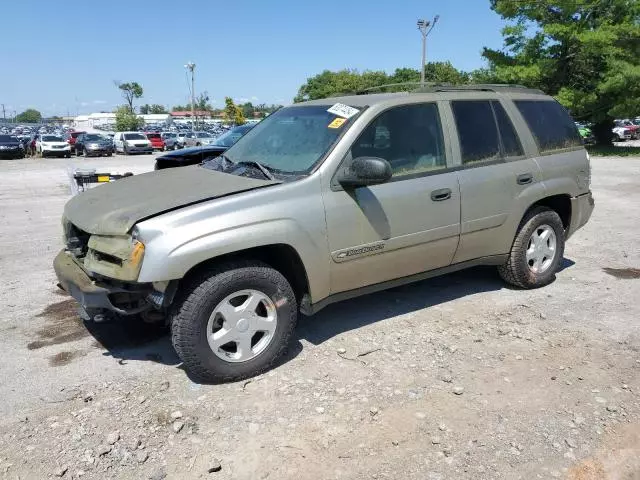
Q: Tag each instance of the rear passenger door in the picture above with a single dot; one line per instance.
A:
(497, 180)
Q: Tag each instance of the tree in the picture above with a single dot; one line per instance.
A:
(584, 52)
(126, 120)
(30, 115)
(232, 112)
(130, 91)
(330, 83)
(144, 109)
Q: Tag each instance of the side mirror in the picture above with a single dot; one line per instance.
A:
(364, 171)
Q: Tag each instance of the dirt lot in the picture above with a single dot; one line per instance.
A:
(453, 378)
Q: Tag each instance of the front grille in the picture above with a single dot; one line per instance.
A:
(76, 239)
(140, 145)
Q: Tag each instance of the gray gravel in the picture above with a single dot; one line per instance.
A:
(549, 377)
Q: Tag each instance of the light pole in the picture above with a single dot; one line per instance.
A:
(191, 67)
(425, 27)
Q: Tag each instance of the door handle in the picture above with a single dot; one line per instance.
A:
(525, 179)
(440, 195)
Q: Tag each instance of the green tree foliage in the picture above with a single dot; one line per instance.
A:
(31, 115)
(585, 52)
(130, 91)
(330, 83)
(126, 120)
(155, 108)
(232, 112)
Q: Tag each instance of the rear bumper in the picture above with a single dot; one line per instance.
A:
(123, 299)
(581, 209)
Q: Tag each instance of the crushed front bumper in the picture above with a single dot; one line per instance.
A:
(93, 294)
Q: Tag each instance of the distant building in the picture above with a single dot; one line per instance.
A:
(187, 114)
(108, 119)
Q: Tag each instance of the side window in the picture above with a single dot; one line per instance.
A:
(408, 137)
(550, 124)
(476, 130)
(511, 146)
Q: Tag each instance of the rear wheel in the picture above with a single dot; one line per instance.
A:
(233, 322)
(537, 250)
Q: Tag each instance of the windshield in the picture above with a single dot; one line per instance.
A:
(291, 140)
(8, 138)
(134, 136)
(230, 137)
(203, 134)
(169, 135)
(153, 135)
(51, 138)
(92, 137)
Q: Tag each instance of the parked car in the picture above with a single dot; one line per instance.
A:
(93, 144)
(156, 141)
(71, 138)
(634, 129)
(307, 210)
(170, 140)
(203, 138)
(11, 147)
(52, 145)
(188, 156)
(196, 155)
(186, 139)
(131, 142)
(620, 134)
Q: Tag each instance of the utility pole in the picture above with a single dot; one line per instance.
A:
(4, 115)
(425, 27)
(191, 67)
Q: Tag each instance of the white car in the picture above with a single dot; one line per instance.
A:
(620, 134)
(131, 142)
(52, 145)
(203, 138)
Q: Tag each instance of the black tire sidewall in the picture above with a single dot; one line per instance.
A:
(531, 279)
(192, 328)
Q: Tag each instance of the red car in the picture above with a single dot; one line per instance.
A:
(71, 138)
(156, 140)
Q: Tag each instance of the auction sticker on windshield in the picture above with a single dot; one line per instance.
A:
(337, 123)
(343, 110)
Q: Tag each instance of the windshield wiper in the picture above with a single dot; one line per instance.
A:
(260, 167)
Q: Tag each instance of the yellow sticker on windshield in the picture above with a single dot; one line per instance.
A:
(337, 123)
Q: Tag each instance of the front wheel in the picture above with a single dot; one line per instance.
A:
(537, 250)
(233, 322)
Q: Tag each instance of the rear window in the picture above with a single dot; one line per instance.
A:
(550, 124)
(8, 138)
(153, 135)
(75, 134)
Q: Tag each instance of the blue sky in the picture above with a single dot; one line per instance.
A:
(248, 49)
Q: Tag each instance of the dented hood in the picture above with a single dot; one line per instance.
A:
(114, 208)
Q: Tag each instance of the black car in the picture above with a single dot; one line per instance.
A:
(197, 155)
(89, 144)
(10, 147)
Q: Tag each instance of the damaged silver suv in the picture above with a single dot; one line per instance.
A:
(326, 200)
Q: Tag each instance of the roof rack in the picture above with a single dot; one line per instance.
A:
(478, 87)
(450, 87)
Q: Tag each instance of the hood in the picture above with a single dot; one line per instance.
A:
(114, 208)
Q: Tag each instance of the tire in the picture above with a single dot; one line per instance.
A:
(67, 155)
(517, 270)
(85, 153)
(190, 319)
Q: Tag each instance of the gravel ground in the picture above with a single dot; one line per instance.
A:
(458, 377)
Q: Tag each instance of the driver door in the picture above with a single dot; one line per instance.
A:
(408, 225)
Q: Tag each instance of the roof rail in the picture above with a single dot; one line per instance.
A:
(379, 87)
(479, 87)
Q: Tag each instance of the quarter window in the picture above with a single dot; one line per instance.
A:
(408, 137)
(550, 124)
(477, 130)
